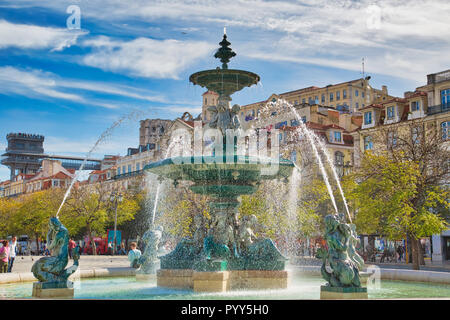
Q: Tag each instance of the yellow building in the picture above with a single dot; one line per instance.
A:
(426, 111)
(346, 96)
(428, 105)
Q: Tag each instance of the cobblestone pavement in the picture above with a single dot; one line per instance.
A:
(24, 263)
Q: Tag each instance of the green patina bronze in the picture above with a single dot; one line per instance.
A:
(50, 271)
(148, 261)
(341, 255)
(229, 243)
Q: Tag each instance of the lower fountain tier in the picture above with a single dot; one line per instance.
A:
(222, 281)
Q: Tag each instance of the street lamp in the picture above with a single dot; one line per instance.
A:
(115, 198)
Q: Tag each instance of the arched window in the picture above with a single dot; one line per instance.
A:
(339, 158)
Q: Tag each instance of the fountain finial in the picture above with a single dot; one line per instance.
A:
(225, 53)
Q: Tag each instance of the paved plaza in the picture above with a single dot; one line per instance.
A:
(24, 263)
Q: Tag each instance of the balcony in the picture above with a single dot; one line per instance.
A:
(128, 174)
(438, 109)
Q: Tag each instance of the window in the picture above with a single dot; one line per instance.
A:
(344, 94)
(294, 123)
(362, 94)
(356, 93)
(129, 168)
(337, 136)
(445, 130)
(331, 97)
(304, 119)
(123, 170)
(303, 100)
(206, 100)
(416, 133)
(323, 98)
(368, 144)
(390, 112)
(316, 99)
(445, 97)
(339, 158)
(280, 136)
(138, 166)
(55, 183)
(357, 105)
(367, 117)
(338, 95)
(118, 171)
(392, 139)
(415, 106)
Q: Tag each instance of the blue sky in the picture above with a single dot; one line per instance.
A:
(136, 56)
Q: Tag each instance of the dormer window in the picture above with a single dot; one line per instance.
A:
(367, 117)
(415, 106)
(337, 136)
(390, 112)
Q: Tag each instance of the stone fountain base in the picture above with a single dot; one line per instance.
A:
(221, 281)
(53, 290)
(327, 292)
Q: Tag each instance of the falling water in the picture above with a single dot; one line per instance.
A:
(158, 188)
(102, 137)
(336, 177)
(310, 137)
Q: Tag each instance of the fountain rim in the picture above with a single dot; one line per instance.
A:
(193, 77)
(237, 160)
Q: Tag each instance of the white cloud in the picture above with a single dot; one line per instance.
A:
(38, 84)
(410, 40)
(36, 37)
(144, 57)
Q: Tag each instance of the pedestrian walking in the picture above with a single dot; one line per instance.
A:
(400, 253)
(4, 254)
(12, 253)
(71, 246)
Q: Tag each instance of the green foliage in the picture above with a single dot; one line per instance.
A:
(392, 201)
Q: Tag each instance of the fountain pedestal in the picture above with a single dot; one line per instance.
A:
(53, 290)
(327, 292)
(221, 281)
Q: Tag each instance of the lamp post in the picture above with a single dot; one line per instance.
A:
(116, 198)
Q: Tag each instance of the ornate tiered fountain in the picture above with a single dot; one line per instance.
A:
(228, 256)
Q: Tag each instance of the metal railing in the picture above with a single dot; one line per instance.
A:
(128, 174)
(438, 108)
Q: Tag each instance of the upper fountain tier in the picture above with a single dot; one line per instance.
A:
(224, 81)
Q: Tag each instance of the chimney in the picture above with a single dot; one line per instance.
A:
(384, 89)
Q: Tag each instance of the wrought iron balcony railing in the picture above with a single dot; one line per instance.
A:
(445, 107)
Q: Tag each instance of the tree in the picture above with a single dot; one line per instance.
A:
(90, 207)
(395, 197)
(34, 211)
(8, 209)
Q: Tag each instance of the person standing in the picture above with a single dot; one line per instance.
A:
(71, 246)
(12, 253)
(133, 255)
(4, 254)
